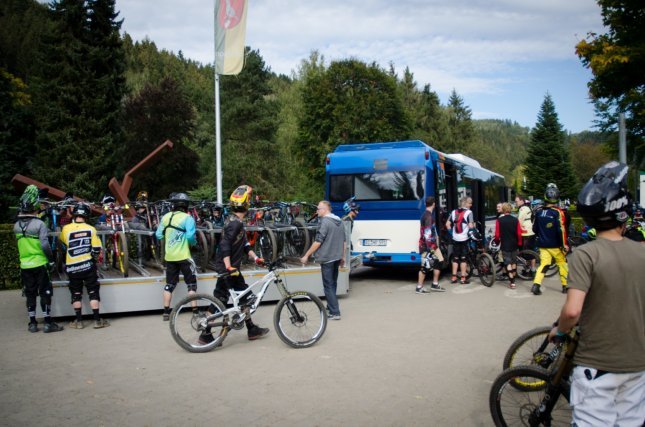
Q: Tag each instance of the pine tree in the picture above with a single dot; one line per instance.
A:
(462, 131)
(548, 159)
(78, 98)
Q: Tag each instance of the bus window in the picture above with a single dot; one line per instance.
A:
(378, 186)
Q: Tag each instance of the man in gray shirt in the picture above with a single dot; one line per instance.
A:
(329, 247)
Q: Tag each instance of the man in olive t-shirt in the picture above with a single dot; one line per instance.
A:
(606, 298)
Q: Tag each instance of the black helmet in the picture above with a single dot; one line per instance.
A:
(81, 209)
(29, 199)
(551, 194)
(604, 201)
(474, 234)
(179, 200)
(107, 199)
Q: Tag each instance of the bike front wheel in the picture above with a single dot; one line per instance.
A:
(300, 319)
(197, 323)
(524, 259)
(121, 250)
(512, 407)
(533, 348)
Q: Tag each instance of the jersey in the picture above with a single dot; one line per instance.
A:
(80, 240)
(549, 227)
(612, 321)
(428, 233)
(509, 232)
(460, 218)
(33, 245)
(525, 216)
(177, 229)
(233, 244)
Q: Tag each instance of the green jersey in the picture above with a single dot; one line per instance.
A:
(33, 245)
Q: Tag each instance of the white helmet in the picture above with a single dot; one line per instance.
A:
(494, 246)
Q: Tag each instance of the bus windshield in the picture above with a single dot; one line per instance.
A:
(378, 186)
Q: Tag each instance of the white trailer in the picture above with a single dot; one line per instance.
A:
(141, 292)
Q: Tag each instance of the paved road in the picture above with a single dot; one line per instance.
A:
(395, 359)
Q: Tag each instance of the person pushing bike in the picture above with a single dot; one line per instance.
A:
(232, 248)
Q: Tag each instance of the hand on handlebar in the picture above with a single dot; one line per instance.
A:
(259, 261)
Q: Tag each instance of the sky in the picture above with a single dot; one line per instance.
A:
(501, 56)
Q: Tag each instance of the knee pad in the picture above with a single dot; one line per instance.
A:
(192, 287)
(94, 295)
(77, 297)
(169, 287)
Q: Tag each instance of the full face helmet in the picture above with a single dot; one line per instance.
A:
(142, 196)
(241, 198)
(350, 205)
(29, 199)
(552, 194)
(604, 201)
(81, 209)
(179, 200)
(494, 245)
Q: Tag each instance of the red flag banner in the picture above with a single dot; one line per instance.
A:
(230, 33)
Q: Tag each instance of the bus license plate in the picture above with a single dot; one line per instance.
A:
(374, 242)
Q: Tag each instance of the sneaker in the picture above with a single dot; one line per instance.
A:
(76, 324)
(536, 289)
(101, 323)
(52, 327)
(333, 317)
(436, 288)
(420, 290)
(256, 332)
(512, 286)
(166, 317)
(205, 339)
(465, 281)
(453, 280)
(33, 327)
(564, 289)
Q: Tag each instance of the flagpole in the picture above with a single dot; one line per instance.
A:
(218, 137)
(218, 142)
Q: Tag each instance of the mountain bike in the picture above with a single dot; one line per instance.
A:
(261, 238)
(300, 318)
(478, 263)
(292, 236)
(116, 244)
(534, 348)
(53, 212)
(523, 263)
(539, 400)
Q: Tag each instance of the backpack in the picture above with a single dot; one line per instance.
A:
(459, 220)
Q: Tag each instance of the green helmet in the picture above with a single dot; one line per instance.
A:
(29, 199)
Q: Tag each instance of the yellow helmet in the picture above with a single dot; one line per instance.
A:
(241, 197)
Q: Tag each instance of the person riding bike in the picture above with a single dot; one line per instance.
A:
(233, 246)
(606, 297)
(83, 250)
(550, 229)
(36, 260)
(177, 230)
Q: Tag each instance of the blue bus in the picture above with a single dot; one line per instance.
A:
(391, 180)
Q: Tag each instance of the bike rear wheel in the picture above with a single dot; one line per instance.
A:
(194, 317)
(200, 255)
(512, 407)
(524, 258)
(485, 269)
(300, 319)
(297, 240)
(267, 246)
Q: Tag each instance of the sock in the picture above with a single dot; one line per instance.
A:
(95, 312)
(167, 310)
(32, 319)
(48, 319)
(79, 316)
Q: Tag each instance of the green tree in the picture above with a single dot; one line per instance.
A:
(350, 102)
(588, 153)
(617, 60)
(78, 98)
(548, 158)
(155, 114)
(460, 124)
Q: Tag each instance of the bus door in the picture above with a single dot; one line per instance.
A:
(479, 200)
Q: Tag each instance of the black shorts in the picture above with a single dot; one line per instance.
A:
(186, 267)
(460, 250)
(510, 257)
(528, 242)
(36, 281)
(236, 283)
(90, 280)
